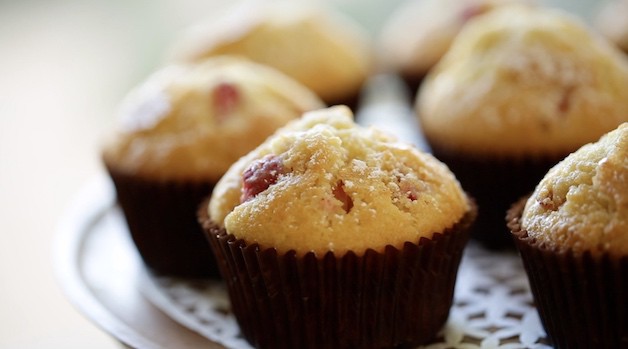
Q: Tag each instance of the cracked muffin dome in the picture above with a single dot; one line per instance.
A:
(582, 203)
(523, 80)
(325, 184)
(192, 121)
(322, 49)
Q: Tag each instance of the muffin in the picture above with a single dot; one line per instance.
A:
(323, 50)
(418, 33)
(572, 234)
(330, 235)
(612, 23)
(519, 90)
(179, 132)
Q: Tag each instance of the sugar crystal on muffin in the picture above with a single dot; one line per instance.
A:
(180, 130)
(340, 183)
(330, 222)
(582, 203)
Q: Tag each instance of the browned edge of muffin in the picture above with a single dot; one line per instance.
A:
(581, 298)
(398, 297)
(161, 217)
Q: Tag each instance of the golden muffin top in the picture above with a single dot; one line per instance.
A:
(322, 184)
(325, 51)
(193, 121)
(582, 203)
(524, 81)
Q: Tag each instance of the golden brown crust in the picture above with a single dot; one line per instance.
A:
(582, 203)
(193, 121)
(522, 81)
(324, 51)
(339, 188)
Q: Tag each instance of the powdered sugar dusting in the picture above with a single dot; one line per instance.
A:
(146, 114)
(343, 181)
(148, 104)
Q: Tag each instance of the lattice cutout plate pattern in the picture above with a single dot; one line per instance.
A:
(493, 306)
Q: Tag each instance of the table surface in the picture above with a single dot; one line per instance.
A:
(64, 66)
(99, 269)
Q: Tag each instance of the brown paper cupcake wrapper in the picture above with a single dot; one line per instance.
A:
(582, 298)
(395, 298)
(413, 83)
(495, 183)
(352, 101)
(161, 216)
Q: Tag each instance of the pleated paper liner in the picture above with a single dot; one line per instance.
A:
(396, 298)
(495, 183)
(582, 298)
(161, 217)
(412, 82)
(352, 101)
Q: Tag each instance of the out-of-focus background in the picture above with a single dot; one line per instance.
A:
(64, 66)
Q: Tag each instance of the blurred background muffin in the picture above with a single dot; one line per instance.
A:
(374, 228)
(179, 132)
(572, 233)
(520, 89)
(316, 45)
(417, 35)
(612, 22)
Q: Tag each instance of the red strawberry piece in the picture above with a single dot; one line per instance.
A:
(260, 175)
(225, 99)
